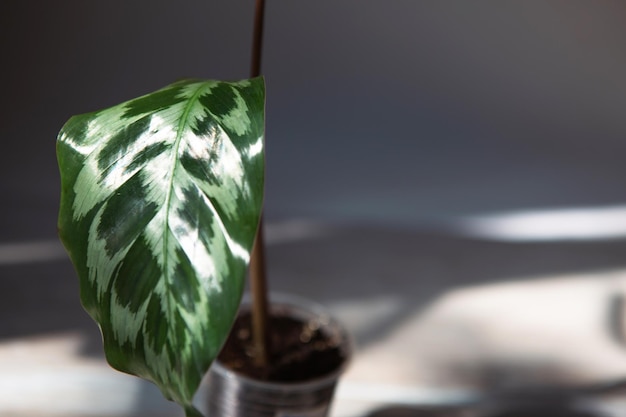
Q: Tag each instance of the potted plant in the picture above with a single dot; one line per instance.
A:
(161, 203)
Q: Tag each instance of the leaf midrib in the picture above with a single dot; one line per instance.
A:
(182, 124)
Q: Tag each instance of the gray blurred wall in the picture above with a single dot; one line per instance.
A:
(397, 111)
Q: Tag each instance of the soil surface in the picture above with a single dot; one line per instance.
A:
(300, 351)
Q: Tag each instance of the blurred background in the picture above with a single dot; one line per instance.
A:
(446, 176)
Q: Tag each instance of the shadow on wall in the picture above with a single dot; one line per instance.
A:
(361, 263)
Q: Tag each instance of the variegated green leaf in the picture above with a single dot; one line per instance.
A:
(160, 203)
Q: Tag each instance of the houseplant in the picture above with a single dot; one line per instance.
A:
(160, 205)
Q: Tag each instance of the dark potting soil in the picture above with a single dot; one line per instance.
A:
(300, 350)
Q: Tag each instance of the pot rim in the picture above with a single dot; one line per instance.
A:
(303, 308)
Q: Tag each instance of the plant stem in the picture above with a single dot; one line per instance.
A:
(258, 286)
(257, 39)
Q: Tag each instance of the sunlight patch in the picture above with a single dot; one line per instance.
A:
(584, 223)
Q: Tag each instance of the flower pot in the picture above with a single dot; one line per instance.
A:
(234, 394)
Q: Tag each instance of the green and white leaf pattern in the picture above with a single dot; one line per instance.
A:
(160, 202)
